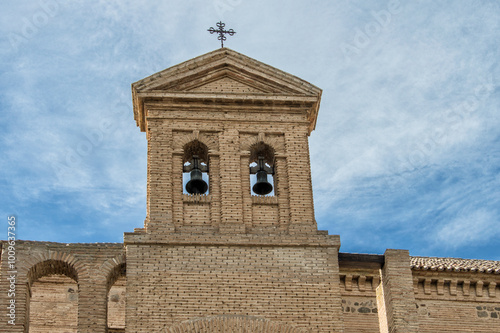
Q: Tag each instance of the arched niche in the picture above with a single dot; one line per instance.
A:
(262, 163)
(53, 297)
(196, 168)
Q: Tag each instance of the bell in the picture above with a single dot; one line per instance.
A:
(196, 185)
(262, 186)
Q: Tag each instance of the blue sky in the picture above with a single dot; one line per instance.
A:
(406, 151)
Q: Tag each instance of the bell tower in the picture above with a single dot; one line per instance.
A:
(230, 226)
(238, 129)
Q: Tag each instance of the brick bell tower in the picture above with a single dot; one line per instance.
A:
(217, 241)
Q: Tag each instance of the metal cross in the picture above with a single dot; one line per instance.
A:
(221, 32)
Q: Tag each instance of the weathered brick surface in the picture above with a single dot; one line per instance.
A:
(54, 305)
(172, 284)
(116, 304)
(360, 314)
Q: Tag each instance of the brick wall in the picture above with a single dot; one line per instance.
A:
(169, 284)
(54, 305)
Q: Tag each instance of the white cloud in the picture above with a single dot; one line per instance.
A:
(468, 229)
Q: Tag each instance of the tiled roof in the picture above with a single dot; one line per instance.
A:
(455, 265)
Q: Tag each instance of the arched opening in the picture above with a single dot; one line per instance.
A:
(195, 177)
(117, 284)
(262, 170)
(53, 301)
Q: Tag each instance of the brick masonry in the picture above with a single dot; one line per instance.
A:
(228, 260)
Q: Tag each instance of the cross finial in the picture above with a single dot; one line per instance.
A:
(221, 32)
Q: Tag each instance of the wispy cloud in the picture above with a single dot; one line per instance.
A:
(405, 153)
(468, 228)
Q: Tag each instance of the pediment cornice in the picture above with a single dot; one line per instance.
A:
(227, 76)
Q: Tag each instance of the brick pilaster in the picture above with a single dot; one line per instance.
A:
(230, 181)
(92, 305)
(160, 179)
(299, 182)
(396, 295)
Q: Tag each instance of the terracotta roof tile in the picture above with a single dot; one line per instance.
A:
(455, 265)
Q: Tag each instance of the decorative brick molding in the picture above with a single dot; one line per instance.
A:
(276, 141)
(181, 139)
(456, 286)
(233, 324)
(360, 283)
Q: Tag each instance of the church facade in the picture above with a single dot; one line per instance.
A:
(236, 249)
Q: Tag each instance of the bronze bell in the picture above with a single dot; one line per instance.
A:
(262, 186)
(196, 185)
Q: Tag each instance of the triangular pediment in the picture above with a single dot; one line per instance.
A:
(225, 69)
(224, 74)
